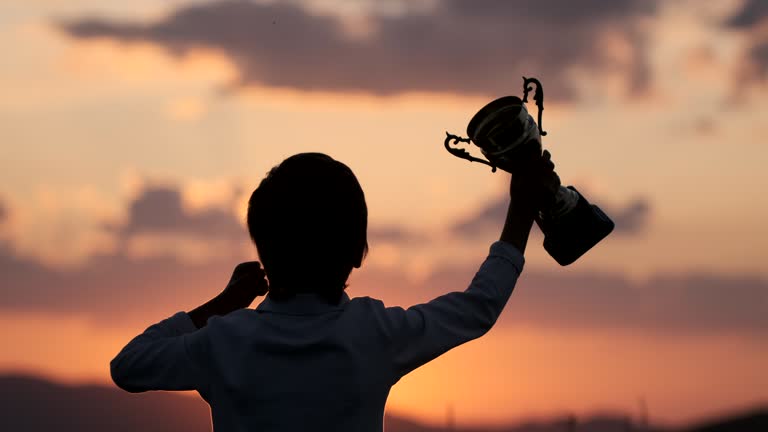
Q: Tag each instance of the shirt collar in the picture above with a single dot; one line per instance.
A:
(302, 304)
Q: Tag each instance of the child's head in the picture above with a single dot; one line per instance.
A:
(308, 219)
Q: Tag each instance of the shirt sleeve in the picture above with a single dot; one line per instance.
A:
(159, 358)
(423, 332)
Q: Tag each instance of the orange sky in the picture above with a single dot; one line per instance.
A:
(89, 126)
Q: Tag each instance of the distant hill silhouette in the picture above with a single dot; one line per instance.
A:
(33, 404)
(753, 421)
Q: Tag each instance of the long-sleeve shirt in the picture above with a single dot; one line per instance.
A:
(304, 364)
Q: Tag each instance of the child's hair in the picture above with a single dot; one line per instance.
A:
(308, 219)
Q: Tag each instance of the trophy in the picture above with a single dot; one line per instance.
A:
(505, 131)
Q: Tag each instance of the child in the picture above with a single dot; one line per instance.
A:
(309, 357)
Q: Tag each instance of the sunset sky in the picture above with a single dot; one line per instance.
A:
(132, 133)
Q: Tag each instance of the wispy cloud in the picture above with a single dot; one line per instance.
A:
(631, 218)
(395, 234)
(458, 46)
(693, 303)
(161, 210)
(751, 13)
(119, 287)
(751, 19)
(123, 287)
(489, 216)
(3, 212)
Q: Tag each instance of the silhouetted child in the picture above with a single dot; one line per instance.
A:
(309, 358)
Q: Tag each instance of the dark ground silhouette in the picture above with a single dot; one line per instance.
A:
(36, 405)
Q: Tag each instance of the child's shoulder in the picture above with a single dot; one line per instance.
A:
(367, 302)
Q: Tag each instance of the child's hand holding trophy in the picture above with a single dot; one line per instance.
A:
(511, 140)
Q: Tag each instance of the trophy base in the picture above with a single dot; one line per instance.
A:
(570, 236)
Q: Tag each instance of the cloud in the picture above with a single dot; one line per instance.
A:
(751, 19)
(491, 216)
(633, 218)
(3, 213)
(395, 234)
(688, 304)
(161, 210)
(119, 287)
(759, 56)
(110, 288)
(751, 13)
(630, 219)
(458, 46)
(115, 285)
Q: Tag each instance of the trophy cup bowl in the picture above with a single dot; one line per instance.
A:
(508, 137)
(506, 134)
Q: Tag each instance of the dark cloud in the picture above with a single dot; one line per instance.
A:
(759, 56)
(160, 210)
(464, 46)
(117, 288)
(629, 219)
(111, 287)
(489, 217)
(751, 14)
(749, 19)
(664, 304)
(693, 303)
(3, 212)
(394, 234)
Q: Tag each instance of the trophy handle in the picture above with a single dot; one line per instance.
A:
(462, 153)
(538, 98)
